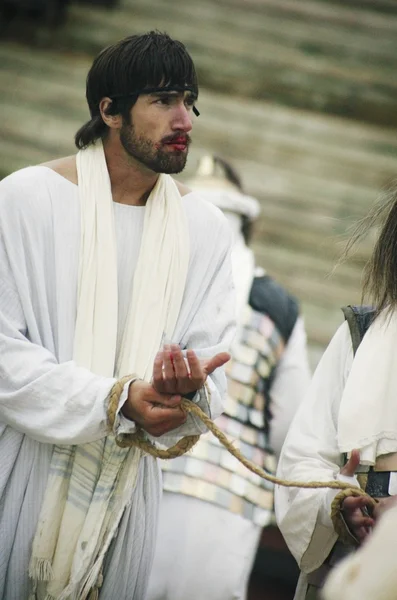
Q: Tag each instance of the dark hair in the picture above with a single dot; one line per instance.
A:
(380, 271)
(229, 171)
(234, 178)
(133, 64)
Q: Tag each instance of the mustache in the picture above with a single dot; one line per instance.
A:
(177, 138)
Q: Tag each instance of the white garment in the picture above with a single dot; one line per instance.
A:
(243, 266)
(225, 196)
(311, 453)
(45, 398)
(90, 486)
(290, 384)
(194, 532)
(368, 417)
(203, 551)
(370, 573)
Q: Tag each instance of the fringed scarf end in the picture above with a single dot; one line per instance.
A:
(40, 569)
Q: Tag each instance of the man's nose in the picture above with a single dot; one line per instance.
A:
(183, 119)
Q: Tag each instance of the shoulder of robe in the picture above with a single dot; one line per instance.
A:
(25, 189)
(205, 216)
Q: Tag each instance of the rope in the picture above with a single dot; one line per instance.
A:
(337, 518)
(139, 440)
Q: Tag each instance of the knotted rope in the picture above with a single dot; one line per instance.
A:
(139, 440)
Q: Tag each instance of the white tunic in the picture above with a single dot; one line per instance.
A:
(229, 544)
(45, 398)
(311, 453)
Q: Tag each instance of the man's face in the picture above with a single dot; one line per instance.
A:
(158, 134)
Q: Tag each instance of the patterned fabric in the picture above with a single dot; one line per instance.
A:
(209, 472)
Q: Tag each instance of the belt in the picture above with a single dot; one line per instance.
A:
(378, 483)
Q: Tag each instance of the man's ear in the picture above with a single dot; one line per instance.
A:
(112, 121)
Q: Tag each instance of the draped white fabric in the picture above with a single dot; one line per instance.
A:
(90, 486)
(311, 452)
(46, 399)
(368, 417)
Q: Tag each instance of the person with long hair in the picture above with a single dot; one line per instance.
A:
(346, 429)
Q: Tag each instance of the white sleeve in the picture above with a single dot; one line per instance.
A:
(310, 453)
(290, 384)
(50, 402)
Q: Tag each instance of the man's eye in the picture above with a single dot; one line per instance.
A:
(164, 100)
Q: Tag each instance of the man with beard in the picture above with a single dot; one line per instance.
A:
(115, 287)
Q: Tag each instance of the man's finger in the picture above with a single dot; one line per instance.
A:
(162, 420)
(196, 370)
(157, 377)
(180, 368)
(168, 366)
(165, 413)
(362, 533)
(216, 361)
(359, 520)
(165, 401)
(351, 466)
(355, 503)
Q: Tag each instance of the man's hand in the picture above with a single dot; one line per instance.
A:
(355, 508)
(172, 374)
(155, 413)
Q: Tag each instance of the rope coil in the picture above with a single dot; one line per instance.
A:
(139, 440)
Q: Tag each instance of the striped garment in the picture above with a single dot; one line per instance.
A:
(209, 472)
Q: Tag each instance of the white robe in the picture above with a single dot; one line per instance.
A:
(46, 399)
(311, 453)
(229, 544)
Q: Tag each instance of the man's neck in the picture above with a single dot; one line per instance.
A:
(131, 182)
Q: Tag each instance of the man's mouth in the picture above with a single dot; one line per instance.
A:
(178, 143)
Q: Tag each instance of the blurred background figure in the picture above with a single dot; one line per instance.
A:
(213, 509)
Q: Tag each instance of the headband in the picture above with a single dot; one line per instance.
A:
(154, 90)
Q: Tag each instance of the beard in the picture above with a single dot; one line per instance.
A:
(150, 154)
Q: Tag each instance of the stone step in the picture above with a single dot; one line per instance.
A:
(313, 173)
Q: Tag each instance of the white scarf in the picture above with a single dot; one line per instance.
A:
(90, 485)
(368, 409)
